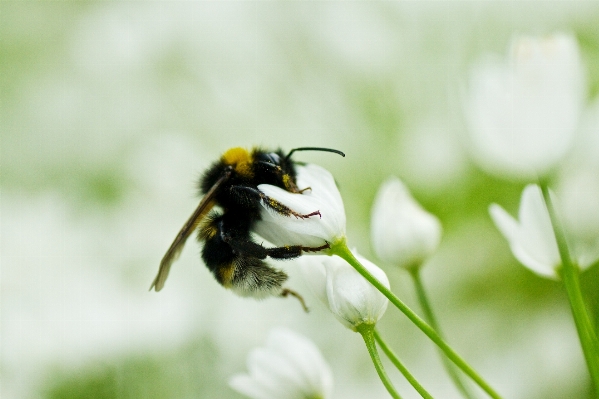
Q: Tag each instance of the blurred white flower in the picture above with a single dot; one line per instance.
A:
(522, 112)
(402, 232)
(578, 192)
(322, 196)
(578, 184)
(289, 366)
(349, 296)
(532, 239)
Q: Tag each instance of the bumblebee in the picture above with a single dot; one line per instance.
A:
(229, 251)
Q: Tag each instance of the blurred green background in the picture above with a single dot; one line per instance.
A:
(110, 111)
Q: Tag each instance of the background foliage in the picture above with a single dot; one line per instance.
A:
(110, 111)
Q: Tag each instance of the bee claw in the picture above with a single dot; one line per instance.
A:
(286, 292)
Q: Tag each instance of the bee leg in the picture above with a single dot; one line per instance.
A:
(326, 245)
(250, 194)
(293, 251)
(284, 209)
(255, 250)
(246, 247)
(286, 292)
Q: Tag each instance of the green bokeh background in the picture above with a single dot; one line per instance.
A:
(109, 112)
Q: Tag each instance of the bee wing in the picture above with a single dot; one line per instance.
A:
(188, 228)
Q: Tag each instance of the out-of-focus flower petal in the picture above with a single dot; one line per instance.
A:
(532, 239)
(403, 233)
(314, 274)
(522, 112)
(512, 231)
(289, 367)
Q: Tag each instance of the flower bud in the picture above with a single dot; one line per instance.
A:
(402, 232)
(349, 296)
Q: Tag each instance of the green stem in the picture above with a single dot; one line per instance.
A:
(340, 249)
(570, 275)
(367, 332)
(432, 321)
(402, 369)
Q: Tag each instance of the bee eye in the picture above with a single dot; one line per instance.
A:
(274, 158)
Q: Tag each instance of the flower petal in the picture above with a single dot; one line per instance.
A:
(531, 239)
(313, 272)
(248, 386)
(276, 227)
(312, 370)
(352, 298)
(537, 234)
(507, 225)
(322, 196)
(271, 370)
(288, 367)
(522, 112)
(403, 233)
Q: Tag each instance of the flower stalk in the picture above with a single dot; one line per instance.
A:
(569, 272)
(402, 369)
(368, 334)
(432, 321)
(340, 249)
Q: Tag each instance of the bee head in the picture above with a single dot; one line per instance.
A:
(272, 167)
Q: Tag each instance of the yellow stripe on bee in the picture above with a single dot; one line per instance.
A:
(208, 230)
(225, 274)
(241, 159)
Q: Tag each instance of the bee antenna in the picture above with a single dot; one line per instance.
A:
(314, 149)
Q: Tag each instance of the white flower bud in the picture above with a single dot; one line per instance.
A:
(402, 232)
(349, 296)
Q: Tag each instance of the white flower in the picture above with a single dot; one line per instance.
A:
(402, 232)
(349, 296)
(522, 112)
(578, 185)
(531, 238)
(578, 192)
(290, 366)
(323, 196)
